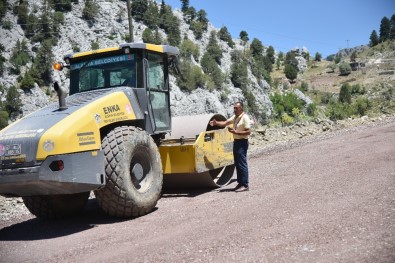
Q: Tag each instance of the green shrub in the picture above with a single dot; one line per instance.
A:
(345, 69)
(90, 11)
(326, 97)
(147, 36)
(312, 109)
(251, 104)
(189, 49)
(20, 56)
(357, 89)
(332, 68)
(191, 77)
(95, 46)
(197, 29)
(7, 25)
(13, 103)
(362, 105)
(4, 117)
(304, 86)
(152, 37)
(345, 93)
(2, 67)
(76, 48)
(337, 111)
(210, 67)
(286, 119)
(27, 82)
(286, 104)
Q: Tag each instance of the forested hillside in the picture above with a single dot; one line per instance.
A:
(217, 69)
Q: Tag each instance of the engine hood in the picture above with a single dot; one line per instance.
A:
(49, 131)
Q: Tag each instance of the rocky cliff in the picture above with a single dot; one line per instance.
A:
(109, 30)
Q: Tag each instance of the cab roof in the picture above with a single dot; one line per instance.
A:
(166, 49)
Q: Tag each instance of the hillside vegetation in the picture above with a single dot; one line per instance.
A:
(217, 69)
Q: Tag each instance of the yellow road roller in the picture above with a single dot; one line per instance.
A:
(112, 133)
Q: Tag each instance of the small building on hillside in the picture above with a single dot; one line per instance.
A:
(357, 65)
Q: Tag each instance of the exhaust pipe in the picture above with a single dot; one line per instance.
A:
(61, 92)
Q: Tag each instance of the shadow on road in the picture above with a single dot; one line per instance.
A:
(172, 193)
(192, 192)
(91, 216)
(36, 229)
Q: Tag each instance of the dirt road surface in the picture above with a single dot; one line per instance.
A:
(327, 200)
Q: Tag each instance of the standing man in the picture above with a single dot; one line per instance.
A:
(241, 131)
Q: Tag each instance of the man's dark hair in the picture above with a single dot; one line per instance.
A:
(241, 104)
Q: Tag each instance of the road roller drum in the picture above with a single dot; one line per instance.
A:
(196, 154)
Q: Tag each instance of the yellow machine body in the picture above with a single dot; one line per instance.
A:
(209, 151)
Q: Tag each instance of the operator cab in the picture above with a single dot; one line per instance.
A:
(142, 67)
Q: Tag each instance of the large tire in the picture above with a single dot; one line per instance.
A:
(55, 206)
(133, 173)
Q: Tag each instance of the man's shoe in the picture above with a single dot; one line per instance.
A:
(242, 189)
(238, 186)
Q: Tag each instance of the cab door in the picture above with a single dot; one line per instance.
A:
(158, 92)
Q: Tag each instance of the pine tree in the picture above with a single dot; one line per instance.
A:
(42, 64)
(290, 72)
(213, 49)
(238, 70)
(61, 5)
(202, 18)
(170, 24)
(184, 6)
(210, 67)
(244, 36)
(385, 29)
(317, 56)
(190, 15)
(392, 34)
(224, 35)
(22, 11)
(3, 9)
(270, 54)
(151, 16)
(256, 47)
(139, 7)
(31, 28)
(374, 39)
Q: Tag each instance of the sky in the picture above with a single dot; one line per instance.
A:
(323, 26)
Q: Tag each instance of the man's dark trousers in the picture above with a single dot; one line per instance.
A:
(240, 147)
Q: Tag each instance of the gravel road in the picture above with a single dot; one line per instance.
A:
(331, 199)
